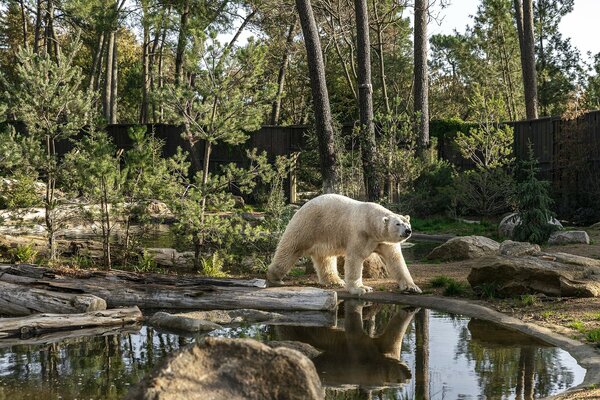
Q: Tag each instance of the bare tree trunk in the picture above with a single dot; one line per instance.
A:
(108, 76)
(524, 17)
(322, 109)
(421, 89)
(96, 63)
(145, 68)
(38, 27)
(368, 145)
(115, 80)
(380, 52)
(24, 24)
(276, 109)
(181, 43)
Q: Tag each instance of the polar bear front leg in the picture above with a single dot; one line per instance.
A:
(326, 268)
(353, 266)
(396, 267)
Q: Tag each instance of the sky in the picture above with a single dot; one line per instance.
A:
(581, 25)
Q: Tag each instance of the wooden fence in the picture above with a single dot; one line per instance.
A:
(568, 151)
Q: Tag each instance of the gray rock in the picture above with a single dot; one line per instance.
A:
(508, 224)
(180, 323)
(522, 275)
(569, 237)
(232, 369)
(464, 247)
(517, 249)
(566, 258)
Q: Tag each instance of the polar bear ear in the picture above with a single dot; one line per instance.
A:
(385, 220)
(408, 218)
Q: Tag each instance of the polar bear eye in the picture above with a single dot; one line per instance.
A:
(397, 223)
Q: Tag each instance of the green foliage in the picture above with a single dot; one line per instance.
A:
(528, 300)
(213, 266)
(146, 262)
(19, 191)
(228, 99)
(454, 288)
(487, 290)
(46, 94)
(440, 281)
(23, 254)
(593, 335)
(487, 189)
(577, 325)
(533, 204)
(432, 189)
(452, 226)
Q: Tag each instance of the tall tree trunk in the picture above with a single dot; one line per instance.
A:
(276, 109)
(96, 63)
(108, 76)
(115, 81)
(145, 67)
(421, 88)
(524, 17)
(368, 145)
(318, 84)
(422, 355)
(181, 42)
(24, 24)
(38, 27)
(380, 51)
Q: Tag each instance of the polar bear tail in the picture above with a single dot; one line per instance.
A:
(283, 261)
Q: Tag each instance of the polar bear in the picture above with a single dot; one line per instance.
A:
(332, 225)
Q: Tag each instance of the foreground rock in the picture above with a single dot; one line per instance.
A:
(232, 369)
(464, 248)
(527, 275)
(507, 225)
(569, 237)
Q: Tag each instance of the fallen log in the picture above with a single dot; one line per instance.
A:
(37, 324)
(124, 289)
(22, 300)
(65, 337)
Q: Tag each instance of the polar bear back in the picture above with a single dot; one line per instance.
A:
(330, 222)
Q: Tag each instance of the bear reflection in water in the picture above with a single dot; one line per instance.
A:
(351, 356)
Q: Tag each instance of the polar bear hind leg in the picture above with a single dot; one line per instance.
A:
(396, 266)
(326, 268)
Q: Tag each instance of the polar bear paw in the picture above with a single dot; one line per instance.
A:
(360, 290)
(409, 288)
(333, 282)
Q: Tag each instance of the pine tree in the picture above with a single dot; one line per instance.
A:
(533, 203)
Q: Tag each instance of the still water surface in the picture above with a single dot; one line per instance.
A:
(375, 351)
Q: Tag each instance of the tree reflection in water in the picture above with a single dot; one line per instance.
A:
(377, 352)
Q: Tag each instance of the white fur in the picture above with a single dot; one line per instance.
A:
(331, 225)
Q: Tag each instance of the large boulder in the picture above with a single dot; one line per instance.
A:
(219, 368)
(518, 249)
(464, 248)
(569, 237)
(507, 225)
(529, 275)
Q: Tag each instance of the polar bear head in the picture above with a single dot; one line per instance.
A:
(397, 227)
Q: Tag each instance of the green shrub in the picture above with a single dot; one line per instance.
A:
(213, 266)
(593, 335)
(577, 325)
(487, 290)
(528, 300)
(23, 254)
(19, 192)
(455, 288)
(440, 281)
(533, 203)
(146, 263)
(431, 192)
